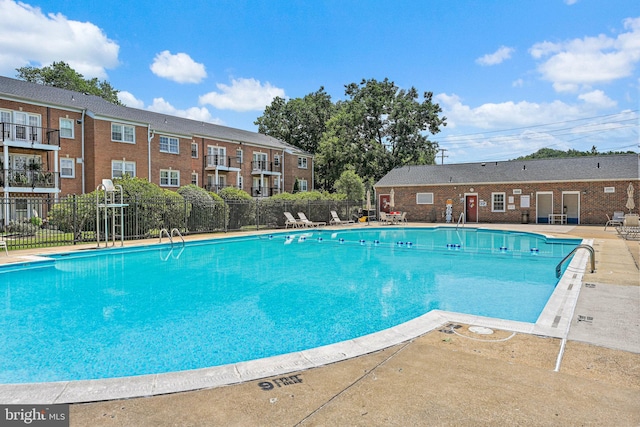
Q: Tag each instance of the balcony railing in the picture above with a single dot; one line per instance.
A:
(258, 166)
(264, 191)
(28, 178)
(214, 188)
(215, 160)
(29, 134)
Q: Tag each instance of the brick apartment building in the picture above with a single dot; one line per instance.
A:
(57, 142)
(576, 190)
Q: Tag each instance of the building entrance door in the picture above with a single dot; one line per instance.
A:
(471, 207)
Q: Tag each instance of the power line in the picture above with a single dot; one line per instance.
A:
(483, 134)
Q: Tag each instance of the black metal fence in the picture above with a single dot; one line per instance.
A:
(43, 222)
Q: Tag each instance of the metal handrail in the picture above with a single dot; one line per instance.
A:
(176, 231)
(460, 218)
(592, 256)
(168, 235)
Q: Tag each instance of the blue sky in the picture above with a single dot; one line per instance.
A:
(511, 76)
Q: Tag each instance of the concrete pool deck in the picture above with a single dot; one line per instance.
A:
(448, 376)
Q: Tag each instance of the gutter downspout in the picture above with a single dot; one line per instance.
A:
(149, 138)
(84, 111)
(282, 188)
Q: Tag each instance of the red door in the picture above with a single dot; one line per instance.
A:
(471, 213)
(385, 200)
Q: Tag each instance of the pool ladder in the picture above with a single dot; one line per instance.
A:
(171, 234)
(592, 256)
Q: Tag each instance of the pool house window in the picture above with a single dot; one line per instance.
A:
(497, 202)
(424, 198)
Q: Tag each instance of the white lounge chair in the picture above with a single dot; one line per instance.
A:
(304, 220)
(3, 244)
(630, 228)
(291, 221)
(335, 219)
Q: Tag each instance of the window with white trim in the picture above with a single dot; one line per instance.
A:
(302, 163)
(424, 198)
(66, 128)
(497, 202)
(239, 155)
(194, 150)
(119, 168)
(169, 144)
(194, 178)
(67, 168)
(240, 182)
(276, 160)
(169, 178)
(123, 133)
(302, 184)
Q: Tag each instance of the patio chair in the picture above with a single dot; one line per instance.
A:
(384, 219)
(335, 219)
(291, 221)
(403, 217)
(612, 222)
(307, 223)
(3, 244)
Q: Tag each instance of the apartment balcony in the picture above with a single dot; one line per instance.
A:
(19, 179)
(18, 135)
(264, 191)
(226, 163)
(262, 167)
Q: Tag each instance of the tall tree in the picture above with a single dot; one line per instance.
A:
(61, 75)
(299, 121)
(377, 129)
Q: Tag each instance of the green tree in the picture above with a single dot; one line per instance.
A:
(351, 185)
(378, 128)
(299, 121)
(61, 75)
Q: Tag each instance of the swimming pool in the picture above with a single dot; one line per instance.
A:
(146, 310)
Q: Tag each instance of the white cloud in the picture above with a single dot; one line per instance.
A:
(501, 131)
(503, 115)
(517, 83)
(128, 99)
(570, 2)
(598, 99)
(578, 64)
(194, 113)
(242, 95)
(29, 37)
(496, 57)
(179, 67)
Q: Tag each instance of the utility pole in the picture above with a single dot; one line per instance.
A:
(442, 156)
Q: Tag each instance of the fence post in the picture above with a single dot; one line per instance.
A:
(75, 219)
(257, 214)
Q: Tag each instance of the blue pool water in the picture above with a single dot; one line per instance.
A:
(134, 311)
